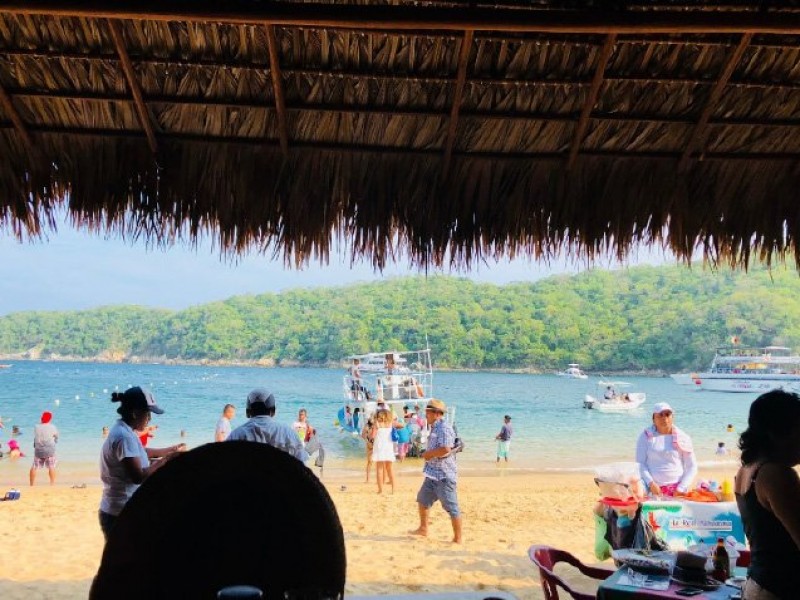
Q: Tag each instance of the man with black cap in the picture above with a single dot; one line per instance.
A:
(262, 426)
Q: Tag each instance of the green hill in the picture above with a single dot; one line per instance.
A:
(641, 318)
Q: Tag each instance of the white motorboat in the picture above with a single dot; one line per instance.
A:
(746, 369)
(573, 370)
(612, 400)
(394, 379)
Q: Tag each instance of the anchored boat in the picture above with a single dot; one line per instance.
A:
(394, 379)
(748, 369)
(573, 371)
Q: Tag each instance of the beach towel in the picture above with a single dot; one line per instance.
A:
(680, 440)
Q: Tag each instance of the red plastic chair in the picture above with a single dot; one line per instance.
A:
(546, 558)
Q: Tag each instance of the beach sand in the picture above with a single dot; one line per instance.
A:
(50, 541)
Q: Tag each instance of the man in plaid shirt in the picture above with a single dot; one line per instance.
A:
(441, 472)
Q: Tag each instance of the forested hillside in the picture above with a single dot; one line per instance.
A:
(643, 318)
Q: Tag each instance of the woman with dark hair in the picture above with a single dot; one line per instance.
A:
(124, 462)
(768, 496)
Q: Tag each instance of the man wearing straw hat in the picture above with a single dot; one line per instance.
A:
(441, 472)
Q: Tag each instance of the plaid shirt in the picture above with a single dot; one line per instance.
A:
(442, 435)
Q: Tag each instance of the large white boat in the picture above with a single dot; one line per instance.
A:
(395, 379)
(747, 369)
(573, 370)
(611, 399)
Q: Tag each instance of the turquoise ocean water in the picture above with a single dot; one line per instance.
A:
(552, 429)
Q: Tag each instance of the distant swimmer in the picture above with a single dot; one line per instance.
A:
(730, 428)
(14, 449)
(721, 449)
(105, 431)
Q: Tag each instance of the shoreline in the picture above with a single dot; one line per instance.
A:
(271, 364)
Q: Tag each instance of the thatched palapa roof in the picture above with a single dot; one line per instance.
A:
(450, 129)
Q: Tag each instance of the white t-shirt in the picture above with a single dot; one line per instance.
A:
(223, 427)
(122, 442)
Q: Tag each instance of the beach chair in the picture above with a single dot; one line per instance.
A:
(226, 514)
(546, 558)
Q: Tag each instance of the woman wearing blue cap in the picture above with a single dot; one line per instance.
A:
(124, 462)
(665, 455)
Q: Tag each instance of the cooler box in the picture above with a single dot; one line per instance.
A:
(682, 523)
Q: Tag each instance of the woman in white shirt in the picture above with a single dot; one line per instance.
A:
(665, 455)
(124, 462)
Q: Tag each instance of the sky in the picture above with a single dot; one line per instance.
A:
(77, 270)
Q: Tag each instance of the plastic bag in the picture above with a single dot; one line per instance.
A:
(618, 480)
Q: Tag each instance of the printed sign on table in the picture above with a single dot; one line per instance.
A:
(682, 524)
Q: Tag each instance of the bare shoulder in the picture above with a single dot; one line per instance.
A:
(777, 473)
(777, 482)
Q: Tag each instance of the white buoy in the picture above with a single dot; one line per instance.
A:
(57, 401)
(77, 397)
(105, 390)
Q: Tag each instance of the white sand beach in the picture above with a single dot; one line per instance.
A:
(50, 542)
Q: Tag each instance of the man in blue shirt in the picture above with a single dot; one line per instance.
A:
(441, 472)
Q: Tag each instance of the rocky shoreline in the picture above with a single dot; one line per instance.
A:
(269, 363)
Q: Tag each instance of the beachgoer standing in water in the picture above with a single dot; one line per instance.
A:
(441, 471)
(504, 439)
(223, 429)
(45, 436)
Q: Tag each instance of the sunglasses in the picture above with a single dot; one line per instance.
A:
(666, 413)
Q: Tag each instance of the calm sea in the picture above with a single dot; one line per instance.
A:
(551, 429)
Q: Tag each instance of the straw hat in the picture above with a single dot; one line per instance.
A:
(437, 406)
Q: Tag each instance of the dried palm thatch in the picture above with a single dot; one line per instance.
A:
(450, 130)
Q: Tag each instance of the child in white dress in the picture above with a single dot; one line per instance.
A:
(383, 448)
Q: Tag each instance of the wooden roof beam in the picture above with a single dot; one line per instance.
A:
(385, 76)
(697, 136)
(359, 109)
(591, 98)
(458, 94)
(277, 90)
(418, 18)
(398, 150)
(16, 119)
(133, 84)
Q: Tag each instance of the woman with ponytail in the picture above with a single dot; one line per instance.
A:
(124, 462)
(768, 495)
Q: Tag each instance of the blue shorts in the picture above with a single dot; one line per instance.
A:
(443, 490)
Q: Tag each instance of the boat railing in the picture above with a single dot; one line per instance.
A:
(402, 385)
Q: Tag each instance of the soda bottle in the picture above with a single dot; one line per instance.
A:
(721, 562)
